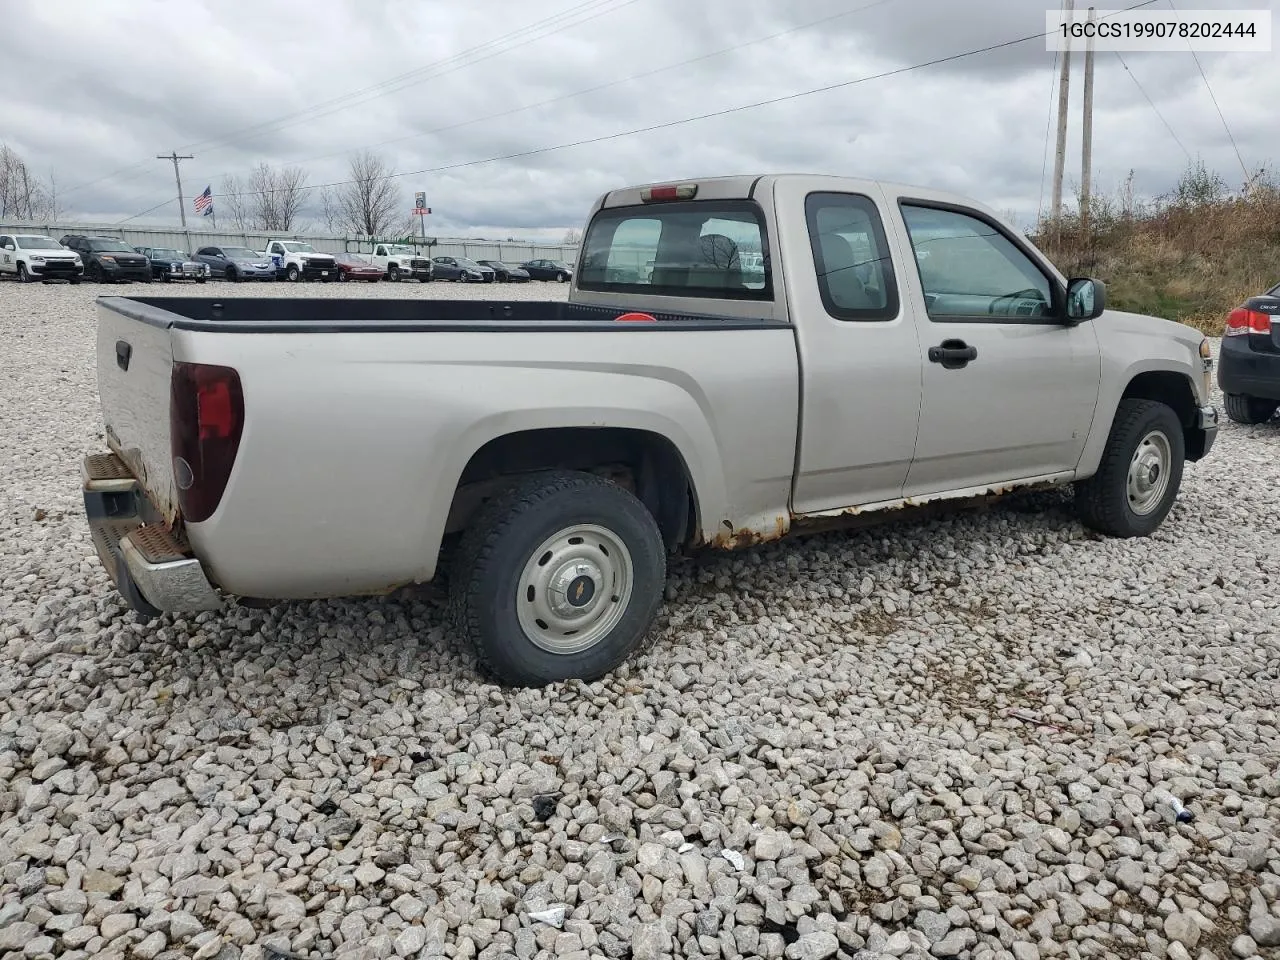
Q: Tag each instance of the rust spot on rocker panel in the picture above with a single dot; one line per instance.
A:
(859, 517)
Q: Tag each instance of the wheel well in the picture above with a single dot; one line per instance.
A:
(1174, 391)
(645, 463)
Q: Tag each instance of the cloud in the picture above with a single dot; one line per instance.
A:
(237, 84)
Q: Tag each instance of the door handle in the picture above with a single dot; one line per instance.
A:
(953, 354)
(124, 351)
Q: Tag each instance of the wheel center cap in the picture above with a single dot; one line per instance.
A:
(580, 591)
(1153, 474)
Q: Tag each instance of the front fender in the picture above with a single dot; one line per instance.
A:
(1132, 345)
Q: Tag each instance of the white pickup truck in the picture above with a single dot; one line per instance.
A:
(274, 449)
(295, 260)
(399, 261)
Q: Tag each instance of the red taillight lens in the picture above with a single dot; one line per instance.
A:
(685, 191)
(206, 419)
(1242, 320)
(635, 318)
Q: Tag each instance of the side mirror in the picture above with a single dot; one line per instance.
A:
(1086, 299)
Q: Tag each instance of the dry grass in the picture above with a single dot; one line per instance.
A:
(1191, 256)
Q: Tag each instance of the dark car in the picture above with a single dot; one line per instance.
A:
(460, 268)
(352, 267)
(505, 271)
(236, 263)
(168, 264)
(1249, 361)
(548, 270)
(108, 258)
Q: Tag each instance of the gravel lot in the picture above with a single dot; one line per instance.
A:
(947, 738)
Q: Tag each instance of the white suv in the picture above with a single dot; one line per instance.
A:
(33, 257)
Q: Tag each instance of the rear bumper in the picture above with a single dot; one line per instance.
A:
(152, 569)
(1248, 372)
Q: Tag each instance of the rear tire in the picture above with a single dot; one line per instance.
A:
(1139, 474)
(558, 577)
(1249, 410)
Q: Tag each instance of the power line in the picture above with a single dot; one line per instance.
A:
(1143, 91)
(540, 31)
(540, 25)
(843, 84)
(592, 90)
(144, 212)
(1208, 86)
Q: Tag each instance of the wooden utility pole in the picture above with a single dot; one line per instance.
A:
(1060, 157)
(1086, 148)
(177, 175)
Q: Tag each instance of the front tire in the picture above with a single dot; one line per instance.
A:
(562, 276)
(292, 274)
(231, 275)
(1249, 410)
(393, 273)
(559, 577)
(23, 275)
(1140, 472)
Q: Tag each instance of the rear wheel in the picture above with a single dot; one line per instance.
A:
(1249, 410)
(559, 577)
(1140, 472)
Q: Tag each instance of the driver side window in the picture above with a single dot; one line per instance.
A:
(970, 270)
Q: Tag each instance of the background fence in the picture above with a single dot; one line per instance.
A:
(192, 240)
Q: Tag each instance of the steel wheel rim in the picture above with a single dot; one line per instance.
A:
(1149, 470)
(574, 588)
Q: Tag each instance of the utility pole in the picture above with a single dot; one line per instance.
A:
(1086, 148)
(1064, 82)
(177, 175)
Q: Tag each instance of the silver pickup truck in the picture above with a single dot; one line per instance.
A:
(739, 358)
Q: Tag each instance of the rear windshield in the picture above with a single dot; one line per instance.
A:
(715, 249)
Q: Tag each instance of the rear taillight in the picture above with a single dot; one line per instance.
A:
(206, 419)
(1242, 320)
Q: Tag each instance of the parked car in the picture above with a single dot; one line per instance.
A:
(1249, 360)
(108, 259)
(295, 260)
(30, 257)
(170, 264)
(399, 261)
(460, 268)
(354, 267)
(505, 272)
(575, 450)
(236, 263)
(548, 270)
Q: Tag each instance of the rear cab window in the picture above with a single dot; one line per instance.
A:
(851, 257)
(717, 249)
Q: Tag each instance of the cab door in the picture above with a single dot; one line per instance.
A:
(7, 249)
(1009, 387)
(858, 344)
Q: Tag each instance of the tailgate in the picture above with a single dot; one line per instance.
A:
(135, 360)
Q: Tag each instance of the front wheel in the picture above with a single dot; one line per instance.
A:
(231, 275)
(559, 577)
(393, 273)
(1249, 410)
(292, 274)
(1140, 472)
(23, 276)
(562, 277)
(74, 281)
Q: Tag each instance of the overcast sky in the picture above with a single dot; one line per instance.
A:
(91, 97)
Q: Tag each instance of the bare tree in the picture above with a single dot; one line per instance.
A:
(275, 196)
(233, 201)
(369, 204)
(330, 210)
(22, 195)
(572, 238)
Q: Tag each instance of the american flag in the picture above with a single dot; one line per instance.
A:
(204, 202)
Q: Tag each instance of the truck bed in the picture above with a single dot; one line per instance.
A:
(331, 315)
